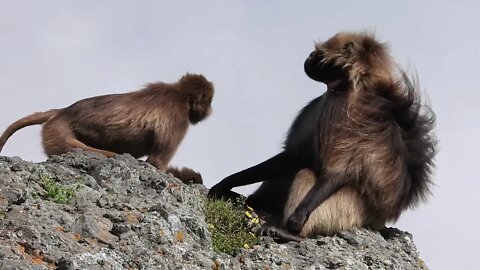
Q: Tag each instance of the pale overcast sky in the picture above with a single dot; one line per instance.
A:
(53, 53)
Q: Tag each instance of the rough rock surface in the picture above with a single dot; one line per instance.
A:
(126, 215)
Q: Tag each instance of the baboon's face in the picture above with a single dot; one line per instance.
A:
(332, 60)
(201, 107)
(201, 102)
(199, 92)
(319, 69)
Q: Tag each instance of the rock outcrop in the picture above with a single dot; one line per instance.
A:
(84, 211)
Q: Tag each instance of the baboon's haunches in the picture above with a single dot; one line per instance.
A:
(150, 122)
(356, 156)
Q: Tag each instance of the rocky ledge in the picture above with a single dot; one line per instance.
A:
(84, 211)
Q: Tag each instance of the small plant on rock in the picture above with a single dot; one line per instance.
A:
(230, 225)
(56, 192)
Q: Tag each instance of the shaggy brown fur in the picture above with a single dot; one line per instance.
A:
(150, 122)
(368, 156)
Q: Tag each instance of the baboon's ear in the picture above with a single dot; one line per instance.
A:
(348, 46)
(351, 48)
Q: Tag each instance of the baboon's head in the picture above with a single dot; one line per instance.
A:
(347, 58)
(199, 92)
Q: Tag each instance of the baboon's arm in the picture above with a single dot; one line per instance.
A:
(321, 191)
(269, 170)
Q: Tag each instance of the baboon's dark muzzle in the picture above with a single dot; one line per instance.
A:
(313, 65)
(322, 71)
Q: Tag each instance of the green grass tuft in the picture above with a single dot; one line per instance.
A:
(230, 226)
(56, 192)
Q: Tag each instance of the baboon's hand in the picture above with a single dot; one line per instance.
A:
(296, 221)
(217, 191)
(221, 192)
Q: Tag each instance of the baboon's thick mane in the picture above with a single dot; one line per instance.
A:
(383, 100)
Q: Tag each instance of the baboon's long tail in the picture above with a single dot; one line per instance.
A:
(33, 119)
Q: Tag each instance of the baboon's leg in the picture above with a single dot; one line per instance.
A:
(54, 137)
(74, 143)
(58, 138)
(344, 210)
(158, 161)
(162, 153)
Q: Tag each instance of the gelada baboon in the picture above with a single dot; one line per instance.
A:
(150, 122)
(356, 156)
